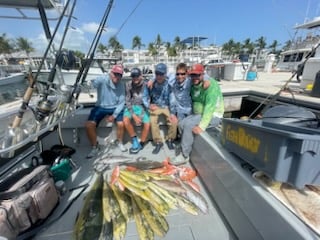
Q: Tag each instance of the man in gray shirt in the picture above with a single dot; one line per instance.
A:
(110, 105)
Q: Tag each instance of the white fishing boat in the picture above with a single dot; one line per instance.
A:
(300, 48)
(68, 76)
(311, 67)
(241, 202)
(9, 77)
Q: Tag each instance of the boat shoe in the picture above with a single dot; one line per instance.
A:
(180, 159)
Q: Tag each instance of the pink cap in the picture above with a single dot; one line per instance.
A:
(117, 69)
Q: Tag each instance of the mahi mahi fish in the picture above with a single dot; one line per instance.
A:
(89, 223)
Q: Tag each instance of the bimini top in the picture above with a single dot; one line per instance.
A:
(22, 7)
(311, 24)
(193, 40)
(28, 3)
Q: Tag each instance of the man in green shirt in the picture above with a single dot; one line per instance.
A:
(207, 109)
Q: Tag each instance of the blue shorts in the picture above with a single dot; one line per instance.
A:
(99, 113)
(139, 111)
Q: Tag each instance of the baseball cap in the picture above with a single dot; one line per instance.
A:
(135, 72)
(117, 69)
(161, 68)
(196, 69)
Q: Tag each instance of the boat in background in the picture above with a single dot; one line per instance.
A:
(300, 49)
(239, 206)
(307, 73)
(11, 74)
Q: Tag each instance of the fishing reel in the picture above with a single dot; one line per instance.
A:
(65, 92)
(43, 109)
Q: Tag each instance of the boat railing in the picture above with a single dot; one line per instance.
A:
(22, 136)
(12, 68)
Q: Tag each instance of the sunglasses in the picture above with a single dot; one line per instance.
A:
(135, 75)
(159, 73)
(182, 74)
(117, 74)
(195, 75)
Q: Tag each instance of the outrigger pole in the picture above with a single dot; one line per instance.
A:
(85, 67)
(285, 86)
(32, 80)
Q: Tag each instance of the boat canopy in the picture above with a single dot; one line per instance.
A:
(28, 4)
(21, 5)
(193, 40)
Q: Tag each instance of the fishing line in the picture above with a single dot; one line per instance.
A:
(85, 67)
(53, 70)
(285, 86)
(126, 20)
(29, 91)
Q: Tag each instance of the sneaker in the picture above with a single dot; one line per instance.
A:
(122, 147)
(142, 144)
(180, 159)
(158, 147)
(170, 144)
(94, 152)
(177, 149)
(136, 147)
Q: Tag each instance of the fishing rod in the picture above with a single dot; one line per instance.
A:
(14, 134)
(32, 79)
(44, 107)
(285, 86)
(87, 62)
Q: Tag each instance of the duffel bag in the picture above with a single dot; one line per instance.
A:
(26, 197)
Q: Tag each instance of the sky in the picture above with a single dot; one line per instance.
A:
(218, 20)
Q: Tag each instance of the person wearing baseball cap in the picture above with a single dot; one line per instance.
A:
(157, 101)
(207, 109)
(110, 105)
(136, 111)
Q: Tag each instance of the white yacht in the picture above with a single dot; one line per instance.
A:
(300, 49)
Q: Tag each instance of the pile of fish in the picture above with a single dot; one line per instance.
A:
(145, 196)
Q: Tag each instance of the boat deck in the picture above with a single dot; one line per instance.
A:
(240, 206)
(182, 225)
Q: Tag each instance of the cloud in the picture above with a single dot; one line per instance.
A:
(93, 27)
(77, 38)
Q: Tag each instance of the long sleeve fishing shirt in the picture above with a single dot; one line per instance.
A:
(180, 99)
(158, 95)
(207, 102)
(109, 95)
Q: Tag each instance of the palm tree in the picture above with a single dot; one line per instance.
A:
(24, 45)
(152, 50)
(273, 46)
(102, 48)
(260, 44)
(248, 46)
(116, 46)
(171, 50)
(178, 45)
(5, 46)
(136, 43)
(231, 48)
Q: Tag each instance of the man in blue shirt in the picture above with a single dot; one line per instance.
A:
(110, 105)
(157, 100)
